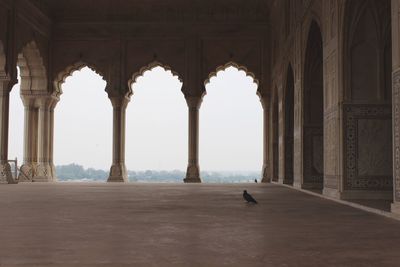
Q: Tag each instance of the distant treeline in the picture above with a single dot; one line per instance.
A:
(75, 172)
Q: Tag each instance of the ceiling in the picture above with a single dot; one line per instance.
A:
(154, 10)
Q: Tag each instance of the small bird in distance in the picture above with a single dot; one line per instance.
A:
(248, 197)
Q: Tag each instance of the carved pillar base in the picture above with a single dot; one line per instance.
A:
(53, 171)
(118, 173)
(192, 174)
(265, 177)
(26, 173)
(44, 173)
(5, 174)
(395, 208)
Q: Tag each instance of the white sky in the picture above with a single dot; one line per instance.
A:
(156, 123)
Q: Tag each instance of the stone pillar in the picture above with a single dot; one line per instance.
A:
(45, 170)
(5, 169)
(28, 168)
(396, 104)
(51, 140)
(193, 169)
(118, 171)
(265, 173)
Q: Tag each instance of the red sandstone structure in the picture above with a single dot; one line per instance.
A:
(327, 72)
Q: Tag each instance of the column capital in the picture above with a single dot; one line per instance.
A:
(120, 101)
(46, 101)
(194, 101)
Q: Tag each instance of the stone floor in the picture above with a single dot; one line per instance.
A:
(186, 225)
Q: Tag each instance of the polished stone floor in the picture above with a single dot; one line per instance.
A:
(78, 224)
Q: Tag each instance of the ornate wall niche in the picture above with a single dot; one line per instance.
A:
(289, 126)
(313, 110)
(365, 24)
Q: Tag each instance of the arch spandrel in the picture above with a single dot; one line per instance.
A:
(69, 70)
(32, 68)
(149, 67)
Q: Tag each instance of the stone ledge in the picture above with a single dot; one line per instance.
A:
(395, 214)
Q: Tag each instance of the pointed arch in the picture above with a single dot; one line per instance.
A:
(275, 135)
(149, 67)
(32, 70)
(365, 27)
(235, 65)
(68, 71)
(154, 134)
(313, 99)
(289, 126)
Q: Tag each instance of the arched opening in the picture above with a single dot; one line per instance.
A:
(231, 130)
(82, 127)
(156, 127)
(289, 127)
(32, 83)
(275, 137)
(16, 127)
(368, 111)
(313, 121)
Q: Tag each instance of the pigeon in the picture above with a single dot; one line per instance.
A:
(248, 197)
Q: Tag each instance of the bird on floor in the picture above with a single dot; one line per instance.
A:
(248, 197)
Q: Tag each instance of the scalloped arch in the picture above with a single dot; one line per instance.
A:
(149, 67)
(235, 65)
(32, 70)
(68, 71)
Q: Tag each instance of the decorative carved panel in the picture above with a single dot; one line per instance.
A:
(366, 130)
(331, 148)
(396, 133)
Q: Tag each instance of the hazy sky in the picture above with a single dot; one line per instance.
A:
(156, 125)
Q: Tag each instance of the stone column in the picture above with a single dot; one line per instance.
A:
(265, 174)
(193, 169)
(118, 171)
(28, 168)
(44, 171)
(396, 104)
(5, 169)
(51, 140)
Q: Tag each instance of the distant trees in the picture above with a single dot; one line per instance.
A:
(75, 172)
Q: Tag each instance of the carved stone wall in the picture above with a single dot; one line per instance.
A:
(313, 157)
(368, 145)
(332, 156)
(396, 134)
